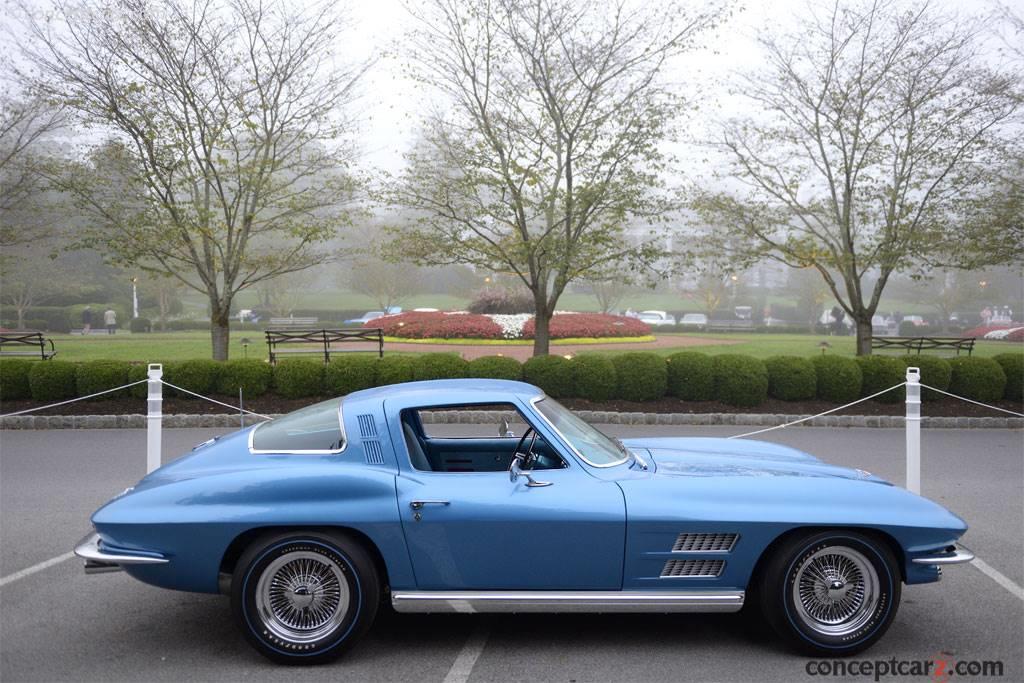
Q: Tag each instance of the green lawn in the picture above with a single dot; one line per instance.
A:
(168, 346)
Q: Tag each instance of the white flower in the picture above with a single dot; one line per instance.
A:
(511, 325)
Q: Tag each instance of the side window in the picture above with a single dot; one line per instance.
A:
(472, 422)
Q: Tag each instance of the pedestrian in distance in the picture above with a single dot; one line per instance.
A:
(110, 320)
(87, 320)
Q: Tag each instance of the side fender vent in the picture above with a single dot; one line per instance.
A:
(374, 455)
(367, 426)
(704, 543)
(686, 569)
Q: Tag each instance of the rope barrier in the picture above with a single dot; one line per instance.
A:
(811, 417)
(72, 400)
(977, 403)
(212, 400)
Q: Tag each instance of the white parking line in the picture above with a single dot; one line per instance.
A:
(471, 651)
(998, 577)
(28, 571)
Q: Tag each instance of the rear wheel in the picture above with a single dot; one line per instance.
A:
(304, 597)
(831, 593)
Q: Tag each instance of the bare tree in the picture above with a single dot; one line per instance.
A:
(228, 121)
(549, 141)
(609, 292)
(872, 122)
(710, 291)
(388, 284)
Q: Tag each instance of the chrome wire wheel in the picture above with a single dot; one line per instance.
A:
(835, 591)
(302, 596)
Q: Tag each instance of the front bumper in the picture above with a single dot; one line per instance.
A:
(99, 559)
(955, 555)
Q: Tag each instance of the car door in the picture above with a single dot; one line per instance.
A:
(479, 530)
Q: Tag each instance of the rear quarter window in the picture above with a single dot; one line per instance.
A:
(314, 429)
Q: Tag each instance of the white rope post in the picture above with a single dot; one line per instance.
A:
(154, 415)
(913, 427)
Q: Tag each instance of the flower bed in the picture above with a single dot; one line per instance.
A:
(439, 325)
(992, 331)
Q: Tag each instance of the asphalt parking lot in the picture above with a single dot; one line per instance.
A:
(57, 624)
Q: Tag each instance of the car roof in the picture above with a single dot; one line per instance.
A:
(456, 389)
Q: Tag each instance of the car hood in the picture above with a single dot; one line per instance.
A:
(717, 457)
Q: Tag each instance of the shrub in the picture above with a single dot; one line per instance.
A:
(501, 301)
(691, 376)
(572, 325)
(839, 378)
(353, 372)
(439, 366)
(935, 372)
(52, 380)
(791, 378)
(740, 380)
(394, 370)
(137, 371)
(298, 378)
(99, 375)
(14, 379)
(879, 373)
(138, 325)
(36, 324)
(594, 377)
(253, 377)
(1013, 367)
(641, 376)
(980, 379)
(553, 374)
(198, 375)
(496, 367)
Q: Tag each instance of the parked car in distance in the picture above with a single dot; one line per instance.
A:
(696, 321)
(310, 520)
(365, 318)
(656, 318)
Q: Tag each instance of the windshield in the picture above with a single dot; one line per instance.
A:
(590, 444)
(314, 429)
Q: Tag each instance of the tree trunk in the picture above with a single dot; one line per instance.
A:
(220, 333)
(864, 332)
(21, 317)
(541, 328)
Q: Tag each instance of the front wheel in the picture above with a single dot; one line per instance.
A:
(304, 597)
(831, 593)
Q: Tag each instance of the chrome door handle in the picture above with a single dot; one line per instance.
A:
(418, 504)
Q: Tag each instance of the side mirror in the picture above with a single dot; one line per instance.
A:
(516, 470)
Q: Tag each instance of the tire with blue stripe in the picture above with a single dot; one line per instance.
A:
(831, 593)
(304, 597)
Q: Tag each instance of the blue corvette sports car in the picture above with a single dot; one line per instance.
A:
(488, 496)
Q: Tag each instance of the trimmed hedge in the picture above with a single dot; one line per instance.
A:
(553, 374)
(137, 371)
(1013, 367)
(52, 380)
(253, 377)
(394, 370)
(879, 373)
(642, 376)
(935, 372)
(981, 379)
(197, 375)
(594, 377)
(140, 325)
(353, 372)
(439, 366)
(839, 378)
(100, 375)
(14, 379)
(496, 367)
(691, 376)
(791, 378)
(299, 378)
(740, 380)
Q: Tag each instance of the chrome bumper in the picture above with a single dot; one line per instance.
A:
(98, 560)
(959, 555)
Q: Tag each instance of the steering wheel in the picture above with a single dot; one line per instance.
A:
(527, 458)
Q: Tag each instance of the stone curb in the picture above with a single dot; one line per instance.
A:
(593, 416)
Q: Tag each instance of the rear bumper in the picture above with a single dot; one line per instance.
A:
(99, 559)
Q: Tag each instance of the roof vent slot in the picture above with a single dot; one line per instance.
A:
(689, 569)
(367, 426)
(373, 452)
